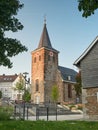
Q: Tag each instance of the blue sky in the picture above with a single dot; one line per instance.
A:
(69, 32)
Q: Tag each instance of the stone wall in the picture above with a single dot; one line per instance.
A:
(45, 70)
(90, 101)
(63, 90)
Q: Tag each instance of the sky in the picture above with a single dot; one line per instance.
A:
(69, 32)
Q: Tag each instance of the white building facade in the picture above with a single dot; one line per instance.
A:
(8, 84)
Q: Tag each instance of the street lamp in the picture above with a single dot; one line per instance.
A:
(26, 82)
(25, 77)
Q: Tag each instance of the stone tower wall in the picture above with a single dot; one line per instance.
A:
(37, 72)
(44, 68)
(51, 66)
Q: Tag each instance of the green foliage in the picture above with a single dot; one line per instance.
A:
(9, 47)
(20, 85)
(26, 96)
(78, 85)
(55, 93)
(48, 125)
(6, 113)
(88, 7)
(0, 94)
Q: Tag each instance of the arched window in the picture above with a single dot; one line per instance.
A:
(69, 91)
(40, 58)
(48, 57)
(53, 58)
(37, 85)
(34, 59)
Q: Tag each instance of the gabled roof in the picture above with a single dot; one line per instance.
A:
(68, 75)
(77, 62)
(8, 78)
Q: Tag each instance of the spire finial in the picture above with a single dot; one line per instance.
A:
(44, 19)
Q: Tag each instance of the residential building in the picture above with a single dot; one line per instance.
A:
(88, 64)
(8, 84)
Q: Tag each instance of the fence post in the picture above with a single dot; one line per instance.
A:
(37, 113)
(27, 112)
(24, 111)
(56, 112)
(14, 111)
(47, 112)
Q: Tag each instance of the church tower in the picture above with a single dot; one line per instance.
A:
(43, 69)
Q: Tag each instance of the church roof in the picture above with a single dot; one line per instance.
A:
(45, 40)
(68, 75)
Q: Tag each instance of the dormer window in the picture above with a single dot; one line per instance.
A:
(69, 77)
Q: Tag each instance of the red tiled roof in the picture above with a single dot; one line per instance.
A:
(8, 78)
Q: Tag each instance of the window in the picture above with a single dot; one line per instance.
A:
(48, 57)
(4, 78)
(53, 58)
(69, 77)
(35, 60)
(39, 58)
(37, 85)
(69, 91)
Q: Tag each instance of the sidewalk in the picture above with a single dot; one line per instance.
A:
(59, 117)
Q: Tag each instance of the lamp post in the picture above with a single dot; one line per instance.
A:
(25, 77)
(26, 82)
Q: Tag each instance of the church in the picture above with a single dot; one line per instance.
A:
(46, 72)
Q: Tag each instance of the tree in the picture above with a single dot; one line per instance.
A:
(55, 93)
(78, 85)
(88, 7)
(26, 96)
(0, 94)
(9, 47)
(20, 86)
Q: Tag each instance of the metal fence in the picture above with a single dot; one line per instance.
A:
(21, 110)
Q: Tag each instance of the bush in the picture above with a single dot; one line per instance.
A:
(0, 94)
(6, 113)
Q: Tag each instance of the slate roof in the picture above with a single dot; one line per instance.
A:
(77, 62)
(8, 78)
(45, 40)
(68, 75)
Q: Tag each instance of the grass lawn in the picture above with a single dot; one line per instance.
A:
(48, 125)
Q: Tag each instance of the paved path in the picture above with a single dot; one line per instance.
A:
(59, 117)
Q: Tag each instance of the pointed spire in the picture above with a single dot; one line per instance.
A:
(45, 40)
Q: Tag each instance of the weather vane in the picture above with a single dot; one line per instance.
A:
(45, 19)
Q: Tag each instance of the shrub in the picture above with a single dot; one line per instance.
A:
(6, 113)
(0, 94)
